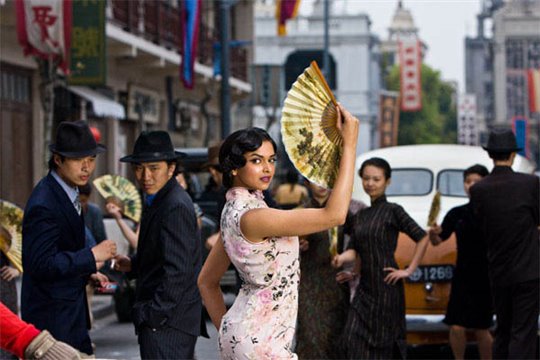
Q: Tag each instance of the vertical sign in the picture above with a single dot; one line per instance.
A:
(88, 43)
(410, 66)
(388, 119)
(467, 125)
(521, 130)
(43, 29)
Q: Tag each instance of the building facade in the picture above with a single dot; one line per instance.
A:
(354, 60)
(142, 88)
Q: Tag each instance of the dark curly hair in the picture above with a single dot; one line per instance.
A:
(231, 154)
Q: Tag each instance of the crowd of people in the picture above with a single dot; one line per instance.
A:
(317, 275)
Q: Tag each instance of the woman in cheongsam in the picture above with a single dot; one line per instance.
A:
(375, 327)
(262, 243)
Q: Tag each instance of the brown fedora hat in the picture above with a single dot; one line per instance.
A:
(74, 140)
(213, 156)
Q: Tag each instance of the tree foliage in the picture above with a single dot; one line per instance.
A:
(436, 122)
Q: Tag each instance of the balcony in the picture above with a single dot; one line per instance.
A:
(159, 22)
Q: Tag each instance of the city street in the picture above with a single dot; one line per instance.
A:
(116, 340)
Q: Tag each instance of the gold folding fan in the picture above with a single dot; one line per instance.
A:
(308, 128)
(116, 187)
(435, 209)
(11, 217)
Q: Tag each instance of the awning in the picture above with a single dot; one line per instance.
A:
(102, 105)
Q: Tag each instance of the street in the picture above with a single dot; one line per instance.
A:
(116, 340)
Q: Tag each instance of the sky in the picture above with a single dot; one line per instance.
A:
(442, 25)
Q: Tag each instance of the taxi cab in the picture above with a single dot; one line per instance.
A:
(418, 171)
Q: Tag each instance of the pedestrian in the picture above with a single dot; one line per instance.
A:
(291, 194)
(506, 206)
(93, 216)
(262, 244)
(167, 309)
(24, 341)
(57, 263)
(8, 288)
(470, 305)
(375, 326)
(322, 301)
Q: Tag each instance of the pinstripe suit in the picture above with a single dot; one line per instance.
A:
(167, 309)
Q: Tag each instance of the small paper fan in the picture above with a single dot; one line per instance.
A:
(11, 217)
(123, 189)
(435, 209)
(308, 128)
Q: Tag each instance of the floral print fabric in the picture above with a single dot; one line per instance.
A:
(261, 322)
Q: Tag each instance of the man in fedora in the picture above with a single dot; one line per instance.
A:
(57, 264)
(506, 205)
(167, 309)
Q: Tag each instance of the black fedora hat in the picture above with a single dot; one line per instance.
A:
(501, 141)
(153, 146)
(74, 139)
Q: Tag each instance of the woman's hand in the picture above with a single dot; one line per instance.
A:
(434, 233)
(114, 210)
(345, 276)
(347, 125)
(337, 262)
(9, 273)
(394, 275)
(304, 244)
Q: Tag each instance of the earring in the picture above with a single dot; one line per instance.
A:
(233, 173)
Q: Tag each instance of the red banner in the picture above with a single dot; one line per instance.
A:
(285, 10)
(44, 29)
(410, 65)
(533, 79)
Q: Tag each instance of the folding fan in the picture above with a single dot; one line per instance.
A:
(118, 187)
(308, 128)
(11, 217)
(435, 209)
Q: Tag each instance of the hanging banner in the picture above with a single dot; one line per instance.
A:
(88, 44)
(467, 125)
(285, 10)
(44, 29)
(533, 80)
(190, 14)
(388, 119)
(520, 126)
(410, 66)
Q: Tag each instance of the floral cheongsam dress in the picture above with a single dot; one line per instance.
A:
(261, 322)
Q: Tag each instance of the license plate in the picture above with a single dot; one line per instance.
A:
(432, 273)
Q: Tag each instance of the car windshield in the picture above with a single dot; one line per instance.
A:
(450, 183)
(410, 182)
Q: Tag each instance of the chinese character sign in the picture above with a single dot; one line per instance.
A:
(410, 65)
(533, 80)
(43, 29)
(388, 119)
(521, 130)
(88, 43)
(467, 126)
(190, 16)
(285, 10)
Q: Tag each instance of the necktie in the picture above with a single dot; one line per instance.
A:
(77, 204)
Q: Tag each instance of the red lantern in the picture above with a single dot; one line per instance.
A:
(96, 133)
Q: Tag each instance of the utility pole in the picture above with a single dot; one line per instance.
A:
(225, 100)
(326, 55)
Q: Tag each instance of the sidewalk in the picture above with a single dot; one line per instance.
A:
(102, 305)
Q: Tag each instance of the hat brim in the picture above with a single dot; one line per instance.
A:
(151, 157)
(502, 150)
(77, 154)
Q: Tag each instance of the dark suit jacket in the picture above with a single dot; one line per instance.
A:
(506, 205)
(167, 263)
(56, 266)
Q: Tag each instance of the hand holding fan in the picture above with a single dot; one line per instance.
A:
(308, 128)
(116, 187)
(11, 217)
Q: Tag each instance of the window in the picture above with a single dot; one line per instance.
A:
(410, 182)
(450, 183)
